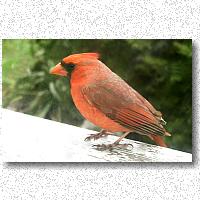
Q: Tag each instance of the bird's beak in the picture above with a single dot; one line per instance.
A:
(58, 70)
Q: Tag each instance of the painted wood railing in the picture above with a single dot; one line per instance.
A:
(32, 139)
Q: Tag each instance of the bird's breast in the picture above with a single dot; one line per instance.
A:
(91, 113)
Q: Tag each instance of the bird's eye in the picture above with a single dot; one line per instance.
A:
(67, 66)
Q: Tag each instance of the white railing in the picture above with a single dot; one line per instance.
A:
(32, 139)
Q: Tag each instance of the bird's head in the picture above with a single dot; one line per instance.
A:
(69, 63)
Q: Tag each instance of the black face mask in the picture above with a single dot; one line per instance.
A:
(69, 67)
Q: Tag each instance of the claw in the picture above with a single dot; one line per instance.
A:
(95, 136)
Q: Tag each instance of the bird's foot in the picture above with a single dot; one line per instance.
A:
(102, 133)
(94, 137)
(111, 146)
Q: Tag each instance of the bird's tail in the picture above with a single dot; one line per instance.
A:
(158, 140)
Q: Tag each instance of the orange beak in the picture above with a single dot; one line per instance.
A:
(58, 70)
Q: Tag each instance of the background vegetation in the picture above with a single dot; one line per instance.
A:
(161, 70)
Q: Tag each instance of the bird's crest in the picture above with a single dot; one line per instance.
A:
(74, 58)
(91, 55)
(84, 55)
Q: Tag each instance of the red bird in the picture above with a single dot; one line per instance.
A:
(107, 101)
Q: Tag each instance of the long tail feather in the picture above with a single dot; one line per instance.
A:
(158, 140)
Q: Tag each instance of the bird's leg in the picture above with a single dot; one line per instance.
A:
(102, 133)
(115, 144)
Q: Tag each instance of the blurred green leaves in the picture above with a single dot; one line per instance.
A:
(37, 92)
(161, 70)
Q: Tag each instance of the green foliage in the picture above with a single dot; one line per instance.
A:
(37, 92)
(161, 70)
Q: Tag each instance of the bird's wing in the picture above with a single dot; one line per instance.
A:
(148, 105)
(122, 110)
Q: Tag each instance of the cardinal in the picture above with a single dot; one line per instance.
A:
(107, 101)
